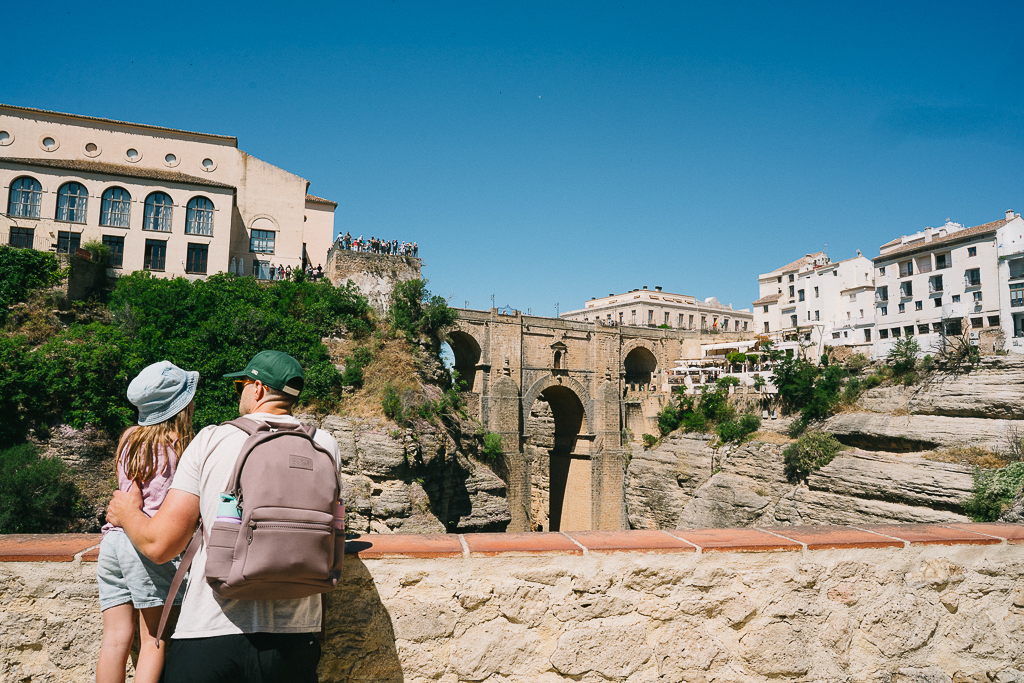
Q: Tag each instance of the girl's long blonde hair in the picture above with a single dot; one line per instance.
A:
(137, 447)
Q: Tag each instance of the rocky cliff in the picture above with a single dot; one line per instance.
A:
(685, 483)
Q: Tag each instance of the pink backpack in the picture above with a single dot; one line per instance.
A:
(288, 538)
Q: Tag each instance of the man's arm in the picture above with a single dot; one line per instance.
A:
(164, 535)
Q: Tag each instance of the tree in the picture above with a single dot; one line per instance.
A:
(416, 313)
(902, 357)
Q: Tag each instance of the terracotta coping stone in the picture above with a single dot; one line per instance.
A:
(932, 534)
(547, 543)
(834, 537)
(1012, 533)
(65, 547)
(44, 547)
(642, 540)
(735, 540)
(383, 546)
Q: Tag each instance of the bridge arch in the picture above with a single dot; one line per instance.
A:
(466, 350)
(639, 365)
(545, 383)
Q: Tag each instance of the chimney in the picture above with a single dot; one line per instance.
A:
(1009, 214)
(645, 286)
(657, 289)
(927, 234)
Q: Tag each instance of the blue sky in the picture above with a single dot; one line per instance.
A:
(551, 152)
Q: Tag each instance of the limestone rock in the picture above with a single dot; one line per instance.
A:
(613, 648)
(931, 674)
(726, 500)
(496, 647)
(659, 482)
(903, 624)
(916, 432)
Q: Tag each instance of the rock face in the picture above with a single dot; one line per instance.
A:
(685, 483)
(917, 432)
(398, 481)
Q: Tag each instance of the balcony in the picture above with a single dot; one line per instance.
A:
(935, 288)
(881, 297)
(972, 282)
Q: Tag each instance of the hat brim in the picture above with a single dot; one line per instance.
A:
(240, 373)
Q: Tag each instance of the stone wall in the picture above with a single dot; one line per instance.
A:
(374, 274)
(890, 604)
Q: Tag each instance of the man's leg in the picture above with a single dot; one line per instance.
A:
(283, 658)
(201, 660)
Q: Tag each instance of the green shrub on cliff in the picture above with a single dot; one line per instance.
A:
(22, 271)
(811, 451)
(994, 490)
(36, 494)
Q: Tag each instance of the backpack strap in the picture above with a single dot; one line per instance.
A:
(186, 562)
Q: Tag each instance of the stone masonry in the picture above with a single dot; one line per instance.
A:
(596, 385)
(892, 604)
(374, 274)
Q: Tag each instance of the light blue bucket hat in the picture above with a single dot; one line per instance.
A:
(161, 391)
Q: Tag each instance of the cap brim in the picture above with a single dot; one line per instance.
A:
(242, 373)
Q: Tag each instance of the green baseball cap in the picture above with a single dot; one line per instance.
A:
(275, 369)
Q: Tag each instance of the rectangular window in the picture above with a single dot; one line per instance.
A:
(903, 308)
(976, 296)
(972, 251)
(853, 297)
(817, 315)
(196, 260)
(867, 334)
(977, 322)
(744, 325)
(885, 310)
(881, 271)
(691, 321)
(956, 298)
(620, 317)
(954, 327)
(993, 321)
(918, 306)
(766, 309)
(791, 289)
(1017, 295)
(936, 327)
(972, 277)
(883, 334)
(703, 322)
(896, 332)
(1017, 269)
(934, 284)
(633, 317)
(666, 318)
(116, 245)
(922, 329)
(262, 242)
(766, 326)
(906, 269)
(942, 261)
(22, 238)
(791, 277)
(835, 335)
(906, 289)
(680, 321)
(263, 271)
(650, 317)
(882, 293)
(908, 330)
(815, 292)
(938, 302)
(793, 322)
(155, 257)
(68, 242)
(801, 294)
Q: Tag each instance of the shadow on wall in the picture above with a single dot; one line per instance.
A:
(360, 636)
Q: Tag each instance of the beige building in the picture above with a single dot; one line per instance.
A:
(943, 281)
(655, 308)
(165, 200)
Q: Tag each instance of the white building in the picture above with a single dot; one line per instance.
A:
(814, 302)
(941, 281)
(166, 200)
(654, 308)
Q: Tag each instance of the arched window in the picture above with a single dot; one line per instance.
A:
(115, 208)
(158, 212)
(71, 202)
(26, 195)
(199, 217)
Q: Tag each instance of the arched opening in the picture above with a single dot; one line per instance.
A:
(640, 366)
(558, 360)
(560, 482)
(465, 357)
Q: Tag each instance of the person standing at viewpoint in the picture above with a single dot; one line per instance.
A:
(132, 587)
(217, 639)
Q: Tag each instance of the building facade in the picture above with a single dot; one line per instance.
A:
(170, 201)
(655, 308)
(814, 303)
(942, 281)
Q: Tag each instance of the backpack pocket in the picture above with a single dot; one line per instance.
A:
(220, 550)
(289, 544)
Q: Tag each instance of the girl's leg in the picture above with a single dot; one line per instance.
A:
(118, 632)
(151, 660)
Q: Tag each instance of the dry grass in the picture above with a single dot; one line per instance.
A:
(394, 363)
(968, 455)
(772, 437)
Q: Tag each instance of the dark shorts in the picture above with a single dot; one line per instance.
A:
(245, 657)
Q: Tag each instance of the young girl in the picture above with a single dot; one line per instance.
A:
(129, 582)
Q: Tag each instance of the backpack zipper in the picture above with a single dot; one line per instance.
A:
(310, 526)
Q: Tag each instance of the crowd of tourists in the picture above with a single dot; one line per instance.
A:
(376, 246)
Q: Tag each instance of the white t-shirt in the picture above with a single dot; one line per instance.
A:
(203, 470)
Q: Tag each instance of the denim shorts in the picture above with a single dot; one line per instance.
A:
(126, 575)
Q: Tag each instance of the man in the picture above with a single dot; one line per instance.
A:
(218, 639)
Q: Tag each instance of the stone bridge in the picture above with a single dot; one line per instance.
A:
(565, 397)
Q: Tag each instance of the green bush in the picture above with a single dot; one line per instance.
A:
(416, 313)
(21, 272)
(100, 252)
(993, 491)
(650, 440)
(810, 452)
(856, 363)
(873, 380)
(738, 430)
(391, 403)
(695, 422)
(360, 357)
(492, 446)
(36, 494)
(669, 419)
(902, 357)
